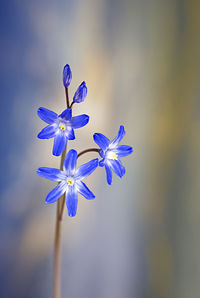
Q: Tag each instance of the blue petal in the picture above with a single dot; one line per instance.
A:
(108, 174)
(47, 115)
(70, 133)
(123, 150)
(56, 193)
(71, 200)
(66, 114)
(123, 170)
(69, 164)
(86, 169)
(101, 153)
(121, 134)
(102, 162)
(117, 167)
(48, 132)
(84, 190)
(51, 174)
(79, 121)
(102, 141)
(60, 142)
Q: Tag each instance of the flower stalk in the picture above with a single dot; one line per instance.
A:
(88, 150)
(57, 243)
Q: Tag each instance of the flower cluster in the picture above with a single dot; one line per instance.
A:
(61, 128)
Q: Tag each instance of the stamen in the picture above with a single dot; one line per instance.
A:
(70, 181)
(62, 126)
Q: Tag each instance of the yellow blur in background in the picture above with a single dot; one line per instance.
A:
(140, 59)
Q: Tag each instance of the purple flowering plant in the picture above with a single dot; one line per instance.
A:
(61, 127)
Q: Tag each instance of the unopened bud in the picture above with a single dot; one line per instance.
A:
(81, 93)
(67, 75)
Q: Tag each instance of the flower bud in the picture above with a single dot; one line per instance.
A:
(67, 75)
(81, 93)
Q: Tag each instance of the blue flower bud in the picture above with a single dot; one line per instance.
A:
(67, 75)
(81, 93)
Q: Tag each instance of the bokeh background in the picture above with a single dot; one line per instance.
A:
(141, 61)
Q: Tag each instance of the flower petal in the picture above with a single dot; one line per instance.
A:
(47, 115)
(120, 165)
(117, 167)
(70, 133)
(66, 114)
(69, 164)
(51, 174)
(48, 132)
(108, 174)
(102, 141)
(79, 121)
(119, 137)
(71, 200)
(123, 150)
(102, 162)
(86, 169)
(84, 190)
(56, 193)
(60, 142)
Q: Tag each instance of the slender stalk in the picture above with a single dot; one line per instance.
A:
(57, 257)
(57, 243)
(67, 97)
(88, 150)
(72, 104)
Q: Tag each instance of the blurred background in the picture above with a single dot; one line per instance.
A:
(141, 61)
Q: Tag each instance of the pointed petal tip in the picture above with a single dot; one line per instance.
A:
(73, 152)
(47, 200)
(101, 140)
(79, 121)
(46, 115)
(87, 118)
(56, 153)
(94, 136)
(71, 214)
(40, 110)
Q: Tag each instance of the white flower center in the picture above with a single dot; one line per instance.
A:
(111, 155)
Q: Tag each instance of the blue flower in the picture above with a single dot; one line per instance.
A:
(110, 152)
(80, 93)
(61, 127)
(70, 181)
(67, 75)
